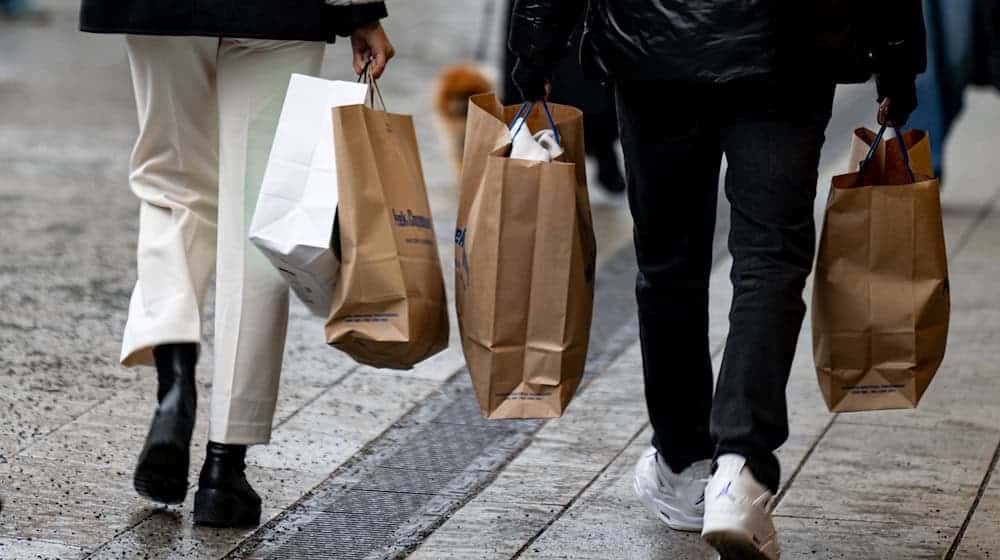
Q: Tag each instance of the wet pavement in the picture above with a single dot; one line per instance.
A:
(372, 464)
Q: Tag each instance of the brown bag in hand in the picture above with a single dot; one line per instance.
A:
(881, 299)
(524, 264)
(389, 306)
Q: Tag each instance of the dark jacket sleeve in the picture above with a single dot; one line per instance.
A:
(540, 30)
(900, 37)
(346, 19)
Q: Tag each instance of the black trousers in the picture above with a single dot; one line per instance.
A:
(674, 137)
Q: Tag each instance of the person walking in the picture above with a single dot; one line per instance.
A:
(210, 79)
(22, 11)
(592, 96)
(963, 41)
(695, 80)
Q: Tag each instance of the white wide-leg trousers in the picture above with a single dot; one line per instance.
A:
(208, 110)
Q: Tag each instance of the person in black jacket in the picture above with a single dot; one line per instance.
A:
(595, 98)
(210, 79)
(695, 80)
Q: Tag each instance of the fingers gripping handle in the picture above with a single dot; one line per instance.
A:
(373, 90)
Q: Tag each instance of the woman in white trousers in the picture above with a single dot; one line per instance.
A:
(209, 86)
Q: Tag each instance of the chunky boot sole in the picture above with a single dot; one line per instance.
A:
(161, 475)
(216, 508)
(732, 545)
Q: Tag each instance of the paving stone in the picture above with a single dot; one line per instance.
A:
(608, 521)
(31, 549)
(837, 539)
(569, 451)
(890, 474)
(486, 531)
(31, 413)
(168, 534)
(74, 504)
(335, 426)
(293, 395)
(612, 227)
(101, 446)
(305, 450)
(370, 393)
(308, 361)
(982, 538)
(442, 366)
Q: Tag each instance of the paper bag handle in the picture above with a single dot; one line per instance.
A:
(531, 107)
(878, 140)
(373, 90)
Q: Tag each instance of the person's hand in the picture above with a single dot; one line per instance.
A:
(898, 95)
(532, 81)
(371, 43)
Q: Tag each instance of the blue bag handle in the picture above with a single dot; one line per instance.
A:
(878, 140)
(531, 107)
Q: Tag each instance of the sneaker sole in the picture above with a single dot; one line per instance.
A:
(732, 545)
(162, 475)
(213, 508)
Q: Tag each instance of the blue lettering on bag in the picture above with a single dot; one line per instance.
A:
(408, 219)
(463, 265)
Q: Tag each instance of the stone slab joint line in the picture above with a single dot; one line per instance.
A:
(582, 491)
(975, 504)
(953, 549)
(41, 437)
(802, 462)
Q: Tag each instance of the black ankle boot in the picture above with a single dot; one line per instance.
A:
(161, 473)
(225, 498)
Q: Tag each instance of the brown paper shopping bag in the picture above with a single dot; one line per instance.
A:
(524, 264)
(881, 299)
(389, 307)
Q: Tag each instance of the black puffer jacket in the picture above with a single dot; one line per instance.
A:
(289, 20)
(717, 41)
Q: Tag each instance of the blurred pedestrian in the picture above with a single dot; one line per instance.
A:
(963, 49)
(591, 95)
(695, 80)
(22, 11)
(210, 79)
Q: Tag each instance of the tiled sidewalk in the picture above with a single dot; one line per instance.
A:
(905, 484)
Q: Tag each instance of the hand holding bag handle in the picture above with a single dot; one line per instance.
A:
(366, 77)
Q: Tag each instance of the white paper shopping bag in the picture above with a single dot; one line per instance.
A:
(294, 219)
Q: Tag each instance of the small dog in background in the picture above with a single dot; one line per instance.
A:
(456, 84)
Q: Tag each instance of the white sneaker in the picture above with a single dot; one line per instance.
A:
(738, 520)
(677, 499)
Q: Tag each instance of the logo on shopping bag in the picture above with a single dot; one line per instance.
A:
(408, 219)
(463, 262)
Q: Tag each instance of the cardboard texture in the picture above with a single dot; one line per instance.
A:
(293, 221)
(524, 264)
(881, 300)
(389, 307)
